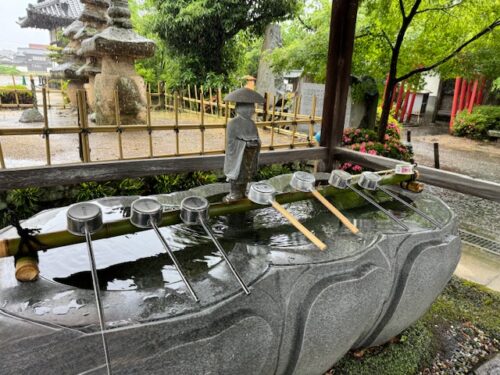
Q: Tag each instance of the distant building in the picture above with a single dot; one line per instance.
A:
(34, 58)
(51, 15)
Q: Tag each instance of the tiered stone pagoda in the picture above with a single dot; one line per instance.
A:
(73, 63)
(94, 16)
(118, 46)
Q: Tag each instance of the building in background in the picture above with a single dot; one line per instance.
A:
(34, 58)
(51, 15)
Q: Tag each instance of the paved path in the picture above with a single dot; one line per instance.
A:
(480, 216)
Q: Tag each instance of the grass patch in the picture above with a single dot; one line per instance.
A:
(461, 302)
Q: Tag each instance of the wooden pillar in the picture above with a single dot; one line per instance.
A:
(473, 96)
(456, 96)
(338, 76)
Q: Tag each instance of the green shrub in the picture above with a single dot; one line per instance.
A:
(195, 179)
(26, 202)
(9, 97)
(166, 184)
(131, 186)
(92, 190)
(475, 125)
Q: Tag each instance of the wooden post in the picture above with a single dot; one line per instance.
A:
(437, 164)
(468, 94)
(189, 97)
(16, 94)
(219, 102)
(82, 109)
(400, 97)
(2, 161)
(211, 101)
(295, 113)
(463, 90)
(196, 105)
(273, 124)
(481, 92)
(413, 96)
(313, 121)
(48, 92)
(338, 77)
(202, 128)
(150, 129)
(408, 136)
(176, 110)
(473, 96)
(118, 127)
(404, 108)
(46, 126)
(454, 107)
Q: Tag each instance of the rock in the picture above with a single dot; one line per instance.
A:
(31, 115)
(492, 367)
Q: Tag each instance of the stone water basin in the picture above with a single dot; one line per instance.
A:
(306, 310)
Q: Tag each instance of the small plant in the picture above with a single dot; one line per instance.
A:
(93, 190)
(8, 96)
(131, 186)
(195, 179)
(166, 184)
(26, 202)
(476, 125)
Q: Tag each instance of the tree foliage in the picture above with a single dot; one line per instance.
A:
(208, 37)
(404, 38)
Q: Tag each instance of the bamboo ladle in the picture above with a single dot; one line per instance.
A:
(303, 181)
(263, 194)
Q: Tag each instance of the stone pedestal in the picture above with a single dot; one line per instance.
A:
(120, 76)
(72, 90)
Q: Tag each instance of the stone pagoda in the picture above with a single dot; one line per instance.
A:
(73, 63)
(94, 16)
(118, 46)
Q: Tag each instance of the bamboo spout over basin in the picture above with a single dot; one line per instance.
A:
(306, 310)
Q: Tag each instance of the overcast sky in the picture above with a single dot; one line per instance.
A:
(12, 36)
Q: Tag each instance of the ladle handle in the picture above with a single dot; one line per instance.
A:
(306, 232)
(344, 220)
(98, 300)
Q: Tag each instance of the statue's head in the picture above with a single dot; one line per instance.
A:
(245, 110)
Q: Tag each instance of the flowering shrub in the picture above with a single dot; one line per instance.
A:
(366, 141)
(476, 124)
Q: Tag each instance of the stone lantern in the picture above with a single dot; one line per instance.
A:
(94, 16)
(73, 63)
(118, 46)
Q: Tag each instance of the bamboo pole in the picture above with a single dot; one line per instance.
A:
(345, 199)
(150, 129)
(118, 124)
(82, 110)
(176, 110)
(211, 101)
(202, 128)
(189, 96)
(2, 161)
(16, 94)
(273, 123)
(219, 102)
(313, 120)
(48, 93)
(196, 98)
(62, 94)
(46, 126)
(295, 113)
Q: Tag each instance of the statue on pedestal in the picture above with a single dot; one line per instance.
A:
(243, 143)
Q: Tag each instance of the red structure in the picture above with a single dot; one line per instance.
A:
(412, 104)
(405, 105)
(400, 98)
(456, 95)
(473, 96)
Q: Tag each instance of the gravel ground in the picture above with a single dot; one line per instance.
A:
(463, 347)
(473, 158)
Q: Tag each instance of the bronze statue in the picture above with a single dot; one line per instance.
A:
(243, 143)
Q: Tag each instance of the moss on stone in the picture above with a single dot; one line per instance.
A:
(461, 302)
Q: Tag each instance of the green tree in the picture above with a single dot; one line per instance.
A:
(404, 38)
(206, 35)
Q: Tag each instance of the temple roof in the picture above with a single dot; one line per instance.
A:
(51, 14)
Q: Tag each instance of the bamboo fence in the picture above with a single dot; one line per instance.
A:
(205, 103)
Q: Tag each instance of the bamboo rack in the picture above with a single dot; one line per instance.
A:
(344, 199)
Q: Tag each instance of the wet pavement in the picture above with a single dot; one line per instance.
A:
(476, 215)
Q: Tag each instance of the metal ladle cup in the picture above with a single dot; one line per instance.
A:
(370, 182)
(83, 220)
(305, 182)
(343, 180)
(194, 211)
(263, 194)
(147, 213)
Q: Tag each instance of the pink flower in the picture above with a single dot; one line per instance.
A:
(372, 152)
(386, 137)
(357, 168)
(357, 132)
